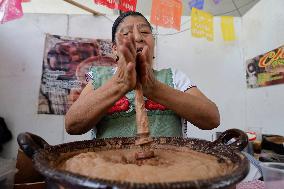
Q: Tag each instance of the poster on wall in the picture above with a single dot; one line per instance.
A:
(65, 64)
(266, 69)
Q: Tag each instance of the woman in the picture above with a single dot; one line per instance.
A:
(107, 102)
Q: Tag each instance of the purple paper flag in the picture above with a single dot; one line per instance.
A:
(217, 1)
(196, 3)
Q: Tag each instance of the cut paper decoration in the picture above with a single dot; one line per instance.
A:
(196, 3)
(217, 1)
(10, 10)
(228, 29)
(123, 5)
(127, 5)
(108, 3)
(202, 24)
(166, 13)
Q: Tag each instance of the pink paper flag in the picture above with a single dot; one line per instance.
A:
(10, 10)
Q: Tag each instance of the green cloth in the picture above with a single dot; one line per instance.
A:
(162, 122)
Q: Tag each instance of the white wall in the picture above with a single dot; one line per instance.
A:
(263, 28)
(21, 56)
(216, 68)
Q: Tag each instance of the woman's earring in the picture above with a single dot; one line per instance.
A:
(116, 56)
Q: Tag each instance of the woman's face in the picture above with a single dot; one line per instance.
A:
(139, 28)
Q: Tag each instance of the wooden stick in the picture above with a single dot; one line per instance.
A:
(143, 132)
(141, 114)
(142, 121)
(83, 7)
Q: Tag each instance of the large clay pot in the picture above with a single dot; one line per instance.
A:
(46, 159)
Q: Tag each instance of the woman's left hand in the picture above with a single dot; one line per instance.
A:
(145, 72)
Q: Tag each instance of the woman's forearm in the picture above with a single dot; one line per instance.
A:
(92, 105)
(200, 111)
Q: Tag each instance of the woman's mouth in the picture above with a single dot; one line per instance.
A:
(139, 50)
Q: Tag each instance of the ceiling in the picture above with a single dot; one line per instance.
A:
(225, 7)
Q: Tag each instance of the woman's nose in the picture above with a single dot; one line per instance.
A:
(137, 35)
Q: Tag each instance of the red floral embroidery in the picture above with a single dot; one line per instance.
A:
(151, 105)
(120, 106)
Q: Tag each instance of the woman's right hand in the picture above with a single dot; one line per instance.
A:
(126, 71)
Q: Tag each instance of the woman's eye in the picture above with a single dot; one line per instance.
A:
(145, 32)
(126, 32)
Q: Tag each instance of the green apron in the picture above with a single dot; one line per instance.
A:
(120, 120)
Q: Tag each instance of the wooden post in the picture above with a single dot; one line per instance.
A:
(83, 7)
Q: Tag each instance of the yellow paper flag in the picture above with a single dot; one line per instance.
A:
(202, 24)
(228, 29)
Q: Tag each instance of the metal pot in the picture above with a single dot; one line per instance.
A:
(46, 158)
